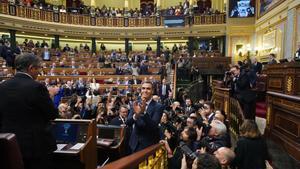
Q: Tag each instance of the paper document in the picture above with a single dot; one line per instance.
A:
(77, 146)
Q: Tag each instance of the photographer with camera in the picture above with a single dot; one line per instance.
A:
(241, 90)
(174, 111)
(187, 146)
(215, 138)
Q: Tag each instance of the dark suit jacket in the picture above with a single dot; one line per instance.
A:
(26, 109)
(117, 121)
(168, 89)
(242, 91)
(138, 81)
(167, 103)
(2, 51)
(136, 58)
(145, 131)
(188, 112)
(81, 90)
(251, 153)
(257, 68)
(144, 70)
(273, 61)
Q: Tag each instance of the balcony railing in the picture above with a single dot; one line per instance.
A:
(230, 105)
(152, 157)
(90, 20)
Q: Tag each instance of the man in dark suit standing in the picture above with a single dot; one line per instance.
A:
(121, 119)
(164, 90)
(26, 110)
(144, 119)
(148, 49)
(256, 66)
(241, 90)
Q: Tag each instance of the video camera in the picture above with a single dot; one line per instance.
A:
(190, 155)
(228, 73)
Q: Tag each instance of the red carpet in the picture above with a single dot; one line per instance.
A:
(261, 109)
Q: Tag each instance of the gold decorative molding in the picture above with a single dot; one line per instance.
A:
(268, 115)
(226, 106)
(35, 26)
(289, 85)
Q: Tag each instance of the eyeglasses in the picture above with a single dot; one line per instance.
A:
(205, 107)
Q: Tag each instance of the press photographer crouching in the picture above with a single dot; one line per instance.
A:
(214, 143)
(195, 142)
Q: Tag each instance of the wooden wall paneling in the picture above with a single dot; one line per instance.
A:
(283, 121)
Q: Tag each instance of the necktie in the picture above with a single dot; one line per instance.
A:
(164, 90)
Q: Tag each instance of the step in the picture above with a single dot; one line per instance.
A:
(262, 105)
(261, 113)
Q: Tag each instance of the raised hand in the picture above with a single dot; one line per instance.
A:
(139, 108)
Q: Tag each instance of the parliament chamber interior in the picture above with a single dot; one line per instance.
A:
(162, 84)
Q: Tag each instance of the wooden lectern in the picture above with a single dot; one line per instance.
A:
(76, 144)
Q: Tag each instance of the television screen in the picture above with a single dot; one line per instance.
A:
(174, 21)
(66, 132)
(241, 8)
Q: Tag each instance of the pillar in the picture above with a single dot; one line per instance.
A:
(158, 43)
(94, 48)
(56, 41)
(191, 45)
(291, 35)
(223, 47)
(13, 43)
(127, 46)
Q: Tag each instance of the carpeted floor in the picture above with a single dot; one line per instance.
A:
(280, 159)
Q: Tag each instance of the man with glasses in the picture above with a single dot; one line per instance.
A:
(26, 110)
(241, 90)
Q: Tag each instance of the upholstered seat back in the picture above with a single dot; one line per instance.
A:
(10, 154)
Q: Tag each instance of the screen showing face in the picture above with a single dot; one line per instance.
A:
(46, 55)
(241, 8)
(65, 132)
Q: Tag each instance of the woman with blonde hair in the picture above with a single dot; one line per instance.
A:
(251, 149)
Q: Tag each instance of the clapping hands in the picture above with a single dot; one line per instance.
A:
(139, 108)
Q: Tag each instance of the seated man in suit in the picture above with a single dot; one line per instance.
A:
(144, 119)
(134, 80)
(121, 119)
(272, 59)
(66, 48)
